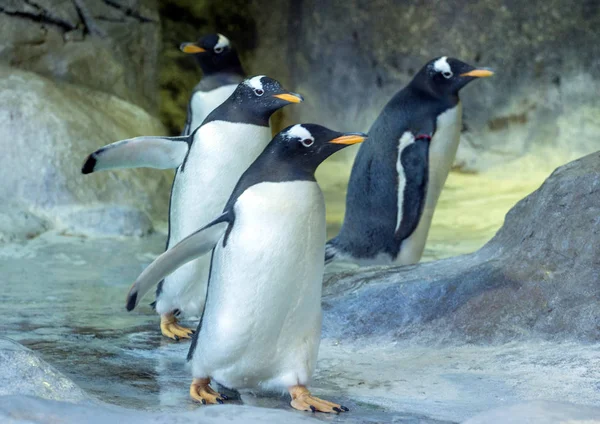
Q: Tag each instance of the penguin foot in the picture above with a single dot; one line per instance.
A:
(203, 393)
(302, 400)
(171, 329)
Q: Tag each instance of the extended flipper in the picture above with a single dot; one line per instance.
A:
(139, 152)
(191, 247)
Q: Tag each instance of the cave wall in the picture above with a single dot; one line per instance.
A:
(107, 45)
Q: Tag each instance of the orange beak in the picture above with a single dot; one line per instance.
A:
(478, 73)
(289, 97)
(191, 48)
(349, 139)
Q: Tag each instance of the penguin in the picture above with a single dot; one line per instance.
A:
(398, 174)
(221, 74)
(261, 326)
(209, 162)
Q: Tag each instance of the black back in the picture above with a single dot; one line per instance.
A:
(369, 226)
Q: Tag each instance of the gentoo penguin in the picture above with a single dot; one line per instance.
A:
(262, 323)
(209, 163)
(221, 74)
(399, 172)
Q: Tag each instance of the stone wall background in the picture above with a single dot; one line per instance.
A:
(76, 75)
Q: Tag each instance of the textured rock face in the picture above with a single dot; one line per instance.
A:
(107, 45)
(23, 373)
(539, 412)
(46, 131)
(18, 410)
(537, 278)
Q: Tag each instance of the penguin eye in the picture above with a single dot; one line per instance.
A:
(259, 92)
(447, 74)
(218, 49)
(307, 142)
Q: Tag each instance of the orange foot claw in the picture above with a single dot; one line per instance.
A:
(171, 329)
(304, 401)
(203, 393)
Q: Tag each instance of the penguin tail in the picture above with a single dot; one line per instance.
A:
(331, 252)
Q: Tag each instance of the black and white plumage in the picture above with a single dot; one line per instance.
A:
(221, 74)
(262, 322)
(399, 172)
(209, 163)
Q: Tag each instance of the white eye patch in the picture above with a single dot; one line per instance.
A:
(222, 42)
(298, 131)
(441, 65)
(255, 83)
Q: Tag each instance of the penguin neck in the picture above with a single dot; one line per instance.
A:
(228, 65)
(231, 111)
(283, 168)
(270, 167)
(425, 90)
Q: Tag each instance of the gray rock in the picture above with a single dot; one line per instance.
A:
(110, 46)
(537, 278)
(539, 413)
(46, 132)
(23, 373)
(22, 410)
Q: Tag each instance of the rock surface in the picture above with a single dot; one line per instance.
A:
(47, 130)
(23, 373)
(107, 45)
(539, 412)
(537, 278)
(24, 410)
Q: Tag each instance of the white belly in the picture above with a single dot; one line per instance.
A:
(262, 323)
(442, 151)
(204, 102)
(221, 152)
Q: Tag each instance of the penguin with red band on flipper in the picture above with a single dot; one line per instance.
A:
(400, 170)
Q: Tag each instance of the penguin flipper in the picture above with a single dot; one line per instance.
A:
(191, 247)
(139, 152)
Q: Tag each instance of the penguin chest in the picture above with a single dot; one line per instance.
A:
(442, 151)
(204, 102)
(263, 314)
(220, 154)
(440, 156)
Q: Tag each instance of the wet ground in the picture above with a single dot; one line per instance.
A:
(63, 297)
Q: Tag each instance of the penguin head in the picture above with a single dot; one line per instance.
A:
(261, 96)
(308, 145)
(445, 76)
(214, 53)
